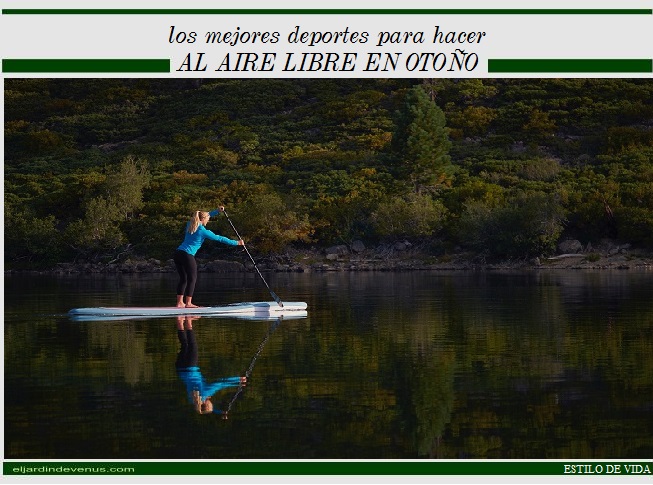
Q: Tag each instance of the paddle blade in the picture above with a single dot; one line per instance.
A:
(276, 298)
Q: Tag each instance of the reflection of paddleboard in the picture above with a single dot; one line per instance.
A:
(259, 308)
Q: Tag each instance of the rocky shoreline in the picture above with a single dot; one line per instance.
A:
(400, 257)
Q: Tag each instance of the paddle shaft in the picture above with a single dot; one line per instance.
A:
(274, 295)
(248, 372)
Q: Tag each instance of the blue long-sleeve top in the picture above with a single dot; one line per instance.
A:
(193, 242)
(194, 381)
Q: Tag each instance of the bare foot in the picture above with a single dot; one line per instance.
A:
(191, 305)
(181, 305)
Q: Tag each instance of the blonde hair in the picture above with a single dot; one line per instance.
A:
(206, 407)
(196, 220)
(202, 407)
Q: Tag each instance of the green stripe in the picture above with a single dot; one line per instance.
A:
(323, 11)
(85, 65)
(461, 467)
(570, 66)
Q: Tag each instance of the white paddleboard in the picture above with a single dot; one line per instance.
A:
(293, 315)
(262, 308)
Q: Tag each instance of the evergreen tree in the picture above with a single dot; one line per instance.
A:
(420, 141)
(99, 234)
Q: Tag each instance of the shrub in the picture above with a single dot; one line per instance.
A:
(30, 241)
(530, 224)
(266, 223)
(416, 215)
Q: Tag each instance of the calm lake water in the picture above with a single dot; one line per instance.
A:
(386, 365)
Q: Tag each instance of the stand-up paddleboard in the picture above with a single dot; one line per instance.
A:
(294, 315)
(259, 308)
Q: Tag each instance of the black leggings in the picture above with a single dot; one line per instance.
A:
(187, 269)
(188, 355)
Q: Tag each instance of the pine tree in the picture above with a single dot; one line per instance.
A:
(420, 141)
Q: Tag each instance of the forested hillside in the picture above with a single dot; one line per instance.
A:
(102, 169)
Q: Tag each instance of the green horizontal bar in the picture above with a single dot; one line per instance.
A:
(461, 467)
(326, 11)
(86, 65)
(570, 65)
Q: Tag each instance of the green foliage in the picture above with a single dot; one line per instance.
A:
(471, 190)
(528, 225)
(27, 140)
(157, 235)
(635, 224)
(622, 138)
(342, 203)
(412, 216)
(269, 225)
(333, 152)
(420, 141)
(99, 233)
(471, 121)
(539, 126)
(540, 169)
(593, 257)
(99, 230)
(124, 187)
(30, 241)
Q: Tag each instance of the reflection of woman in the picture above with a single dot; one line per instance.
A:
(199, 391)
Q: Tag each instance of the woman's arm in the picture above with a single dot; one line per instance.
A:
(217, 211)
(220, 384)
(216, 237)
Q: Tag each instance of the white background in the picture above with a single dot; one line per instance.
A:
(507, 36)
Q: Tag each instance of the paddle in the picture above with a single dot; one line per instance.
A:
(248, 372)
(274, 295)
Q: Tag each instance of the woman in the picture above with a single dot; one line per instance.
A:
(184, 257)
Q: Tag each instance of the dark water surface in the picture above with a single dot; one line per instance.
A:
(386, 365)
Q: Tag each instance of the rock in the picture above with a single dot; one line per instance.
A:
(145, 267)
(608, 246)
(400, 246)
(570, 246)
(358, 246)
(339, 250)
(332, 257)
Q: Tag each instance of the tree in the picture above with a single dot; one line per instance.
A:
(99, 234)
(124, 187)
(420, 141)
